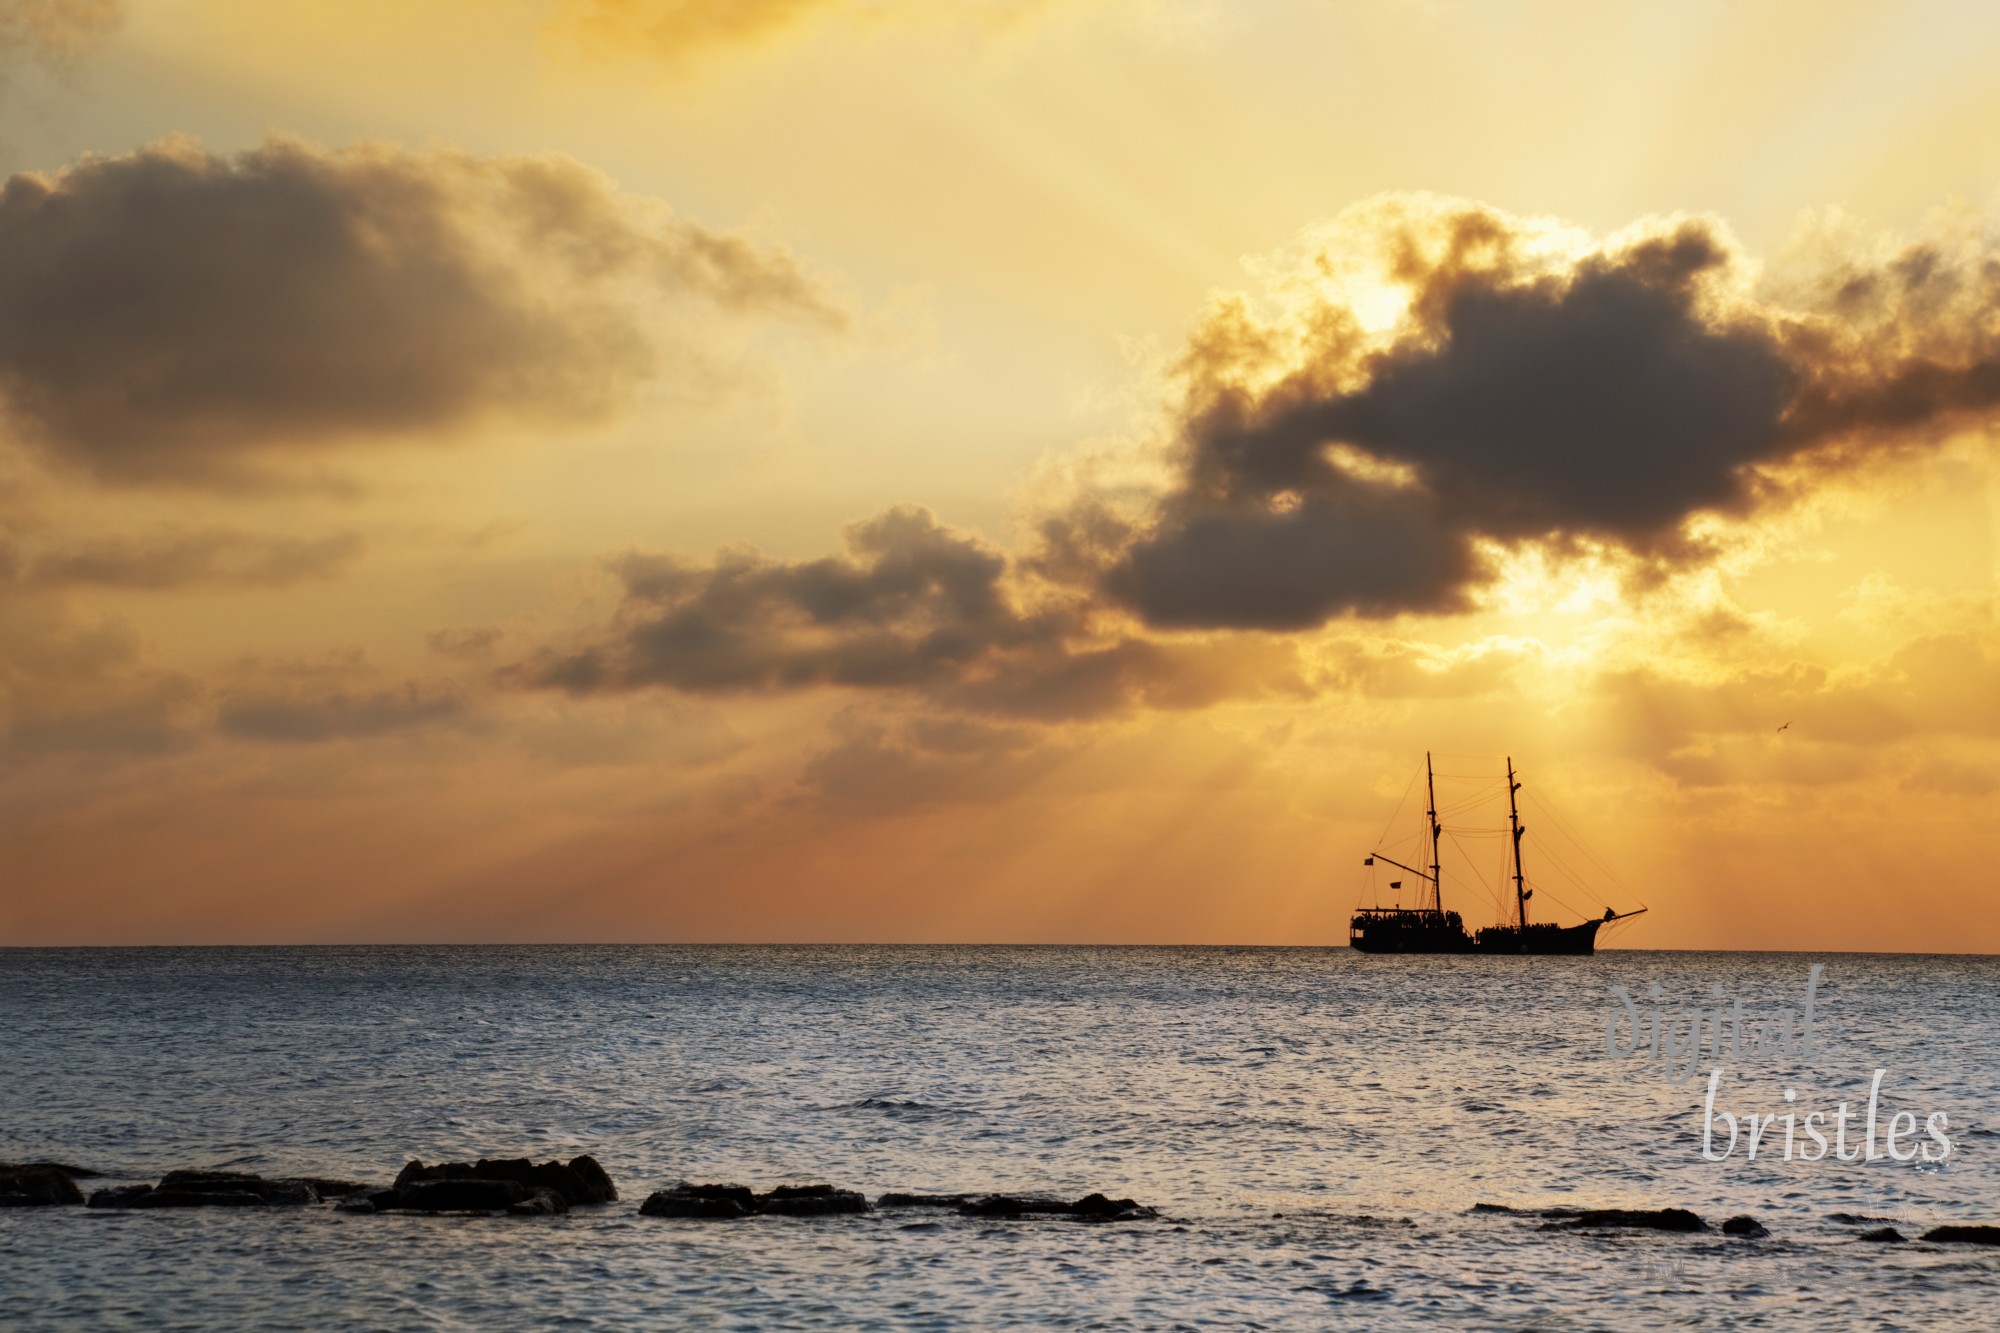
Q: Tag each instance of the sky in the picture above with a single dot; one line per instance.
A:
(1006, 470)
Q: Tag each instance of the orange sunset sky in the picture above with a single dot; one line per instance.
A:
(990, 470)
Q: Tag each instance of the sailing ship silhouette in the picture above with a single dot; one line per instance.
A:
(1429, 928)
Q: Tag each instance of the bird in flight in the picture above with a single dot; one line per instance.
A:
(1786, 727)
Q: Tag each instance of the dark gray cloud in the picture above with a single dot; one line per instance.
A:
(176, 315)
(911, 605)
(1348, 547)
(181, 559)
(1609, 397)
(1604, 403)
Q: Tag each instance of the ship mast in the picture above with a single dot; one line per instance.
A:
(1437, 831)
(1437, 882)
(1514, 822)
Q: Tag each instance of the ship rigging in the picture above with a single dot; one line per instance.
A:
(1430, 928)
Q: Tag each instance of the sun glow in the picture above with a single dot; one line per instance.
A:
(1533, 581)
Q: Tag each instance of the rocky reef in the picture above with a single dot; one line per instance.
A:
(518, 1186)
(1963, 1235)
(223, 1189)
(513, 1185)
(38, 1184)
(1645, 1219)
(730, 1201)
(503, 1185)
(1090, 1208)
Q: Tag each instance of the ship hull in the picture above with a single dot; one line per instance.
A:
(1407, 930)
(1538, 938)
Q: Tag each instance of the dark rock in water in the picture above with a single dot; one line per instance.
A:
(328, 1188)
(700, 1201)
(232, 1182)
(207, 1189)
(740, 1195)
(725, 1201)
(1855, 1219)
(799, 1192)
(810, 1201)
(1882, 1234)
(1979, 1235)
(36, 1184)
(1653, 1219)
(159, 1198)
(1013, 1205)
(1097, 1208)
(468, 1194)
(579, 1181)
(596, 1180)
(118, 1197)
(476, 1194)
(817, 1205)
(1745, 1226)
(544, 1202)
(1090, 1208)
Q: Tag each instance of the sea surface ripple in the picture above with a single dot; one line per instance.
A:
(1315, 1126)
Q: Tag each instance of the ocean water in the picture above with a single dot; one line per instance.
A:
(1314, 1125)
